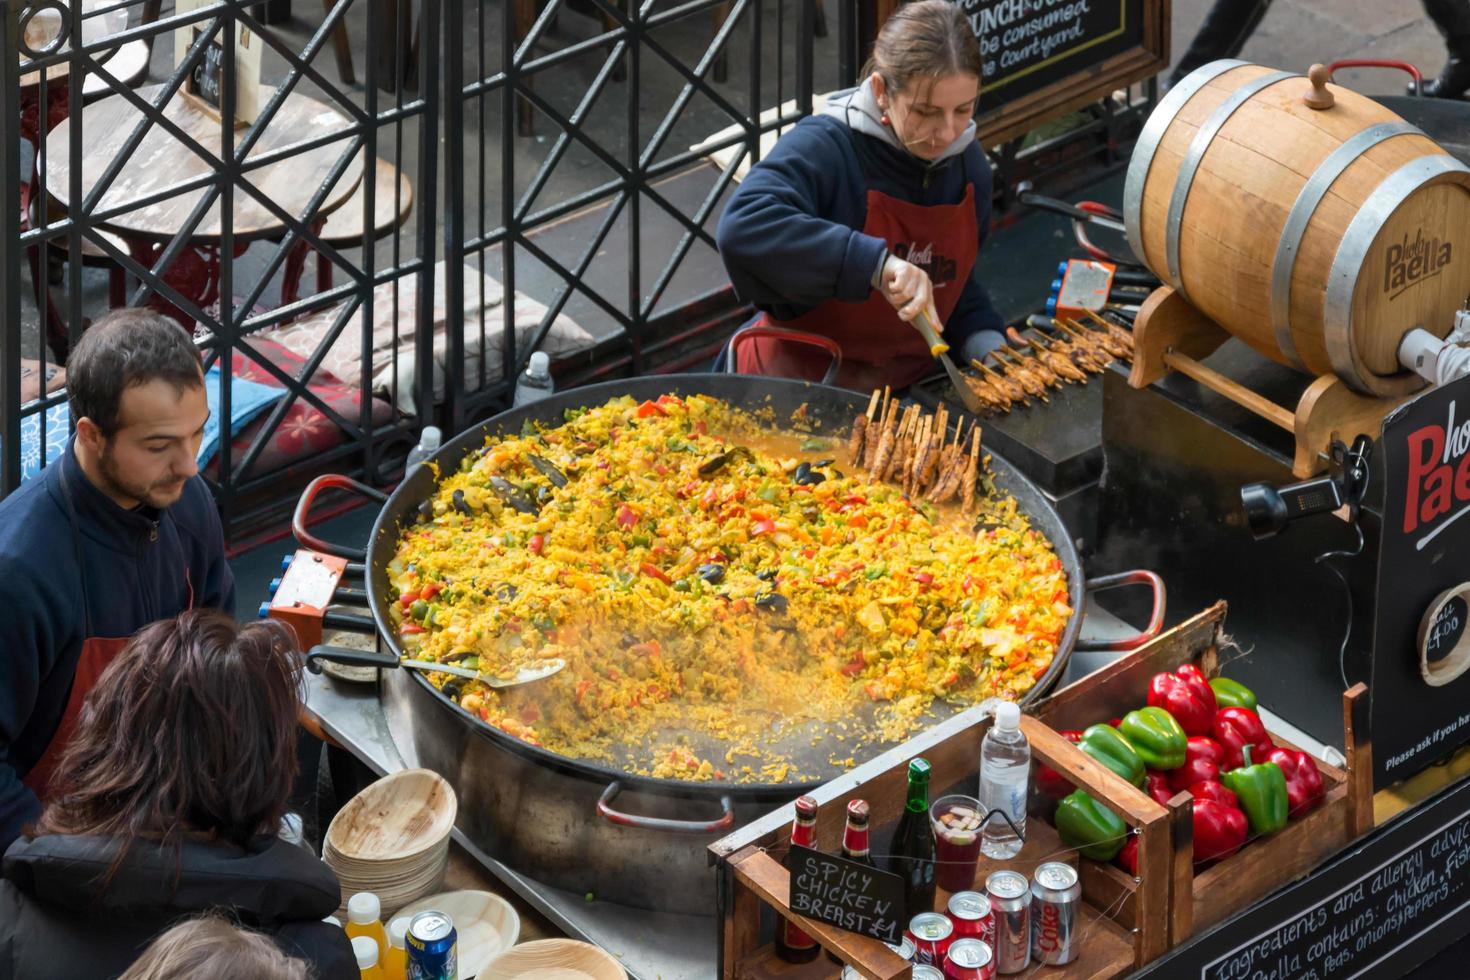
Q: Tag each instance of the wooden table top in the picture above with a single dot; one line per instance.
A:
(161, 162)
(45, 25)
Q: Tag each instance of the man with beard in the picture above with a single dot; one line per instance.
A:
(118, 532)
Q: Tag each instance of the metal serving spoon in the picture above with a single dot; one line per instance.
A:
(384, 659)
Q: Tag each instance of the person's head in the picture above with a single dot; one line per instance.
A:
(190, 731)
(211, 947)
(136, 387)
(925, 73)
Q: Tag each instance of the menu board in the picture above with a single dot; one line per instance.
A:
(1042, 57)
(1386, 905)
(205, 83)
(847, 894)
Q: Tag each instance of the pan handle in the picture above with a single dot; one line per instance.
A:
(663, 824)
(792, 336)
(346, 655)
(303, 509)
(1155, 620)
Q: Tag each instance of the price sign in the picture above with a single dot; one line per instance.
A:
(205, 83)
(847, 894)
(1445, 630)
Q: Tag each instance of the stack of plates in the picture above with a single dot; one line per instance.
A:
(392, 839)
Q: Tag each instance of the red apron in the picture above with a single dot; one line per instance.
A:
(877, 347)
(98, 652)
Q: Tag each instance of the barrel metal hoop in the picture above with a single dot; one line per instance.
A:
(1192, 159)
(1300, 217)
(1152, 135)
(1337, 310)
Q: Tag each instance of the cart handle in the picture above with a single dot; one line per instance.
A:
(1155, 620)
(303, 508)
(794, 336)
(663, 824)
(1403, 66)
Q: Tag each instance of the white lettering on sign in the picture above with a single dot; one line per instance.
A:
(1366, 921)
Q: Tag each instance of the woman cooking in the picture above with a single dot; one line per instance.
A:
(871, 212)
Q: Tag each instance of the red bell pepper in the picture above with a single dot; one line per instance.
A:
(1216, 792)
(627, 516)
(1304, 788)
(1219, 830)
(653, 571)
(650, 408)
(1127, 858)
(1234, 729)
(1186, 695)
(1202, 758)
(1156, 784)
(537, 544)
(1049, 782)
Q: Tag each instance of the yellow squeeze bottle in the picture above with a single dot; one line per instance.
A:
(363, 912)
(366, 952)
(395, 966)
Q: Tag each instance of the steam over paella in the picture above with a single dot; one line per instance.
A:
(718, 590)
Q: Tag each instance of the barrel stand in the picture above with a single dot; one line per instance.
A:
(1169, 334)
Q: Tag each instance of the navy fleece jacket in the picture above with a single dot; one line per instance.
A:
(139, 565)
(791, 237)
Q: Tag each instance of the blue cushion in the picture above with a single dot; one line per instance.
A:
(247, 400)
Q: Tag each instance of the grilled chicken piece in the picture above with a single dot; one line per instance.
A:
(1032, 384)
(1007, 386)
(1122, 336)
(987, 393)
(1058, 364)
(1098, 343)
(1033, 365)
(1079, 357)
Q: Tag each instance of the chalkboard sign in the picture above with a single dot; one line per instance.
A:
(852, 896)
(1388, 904)
(1445, 629)
(1041, 58)
(206, 81)
(204, 85)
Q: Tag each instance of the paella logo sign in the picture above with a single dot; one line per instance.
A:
(1438, 478)
(1409, 263)
(940, 268)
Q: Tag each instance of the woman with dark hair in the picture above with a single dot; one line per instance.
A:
(166, 804)
(870, 212)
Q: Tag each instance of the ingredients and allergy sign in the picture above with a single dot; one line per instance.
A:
(1369, 919)
(847, 894)
(1019, 38)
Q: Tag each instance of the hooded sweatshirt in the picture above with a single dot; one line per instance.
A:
(791, 237)
(58, 920)
(140, 567)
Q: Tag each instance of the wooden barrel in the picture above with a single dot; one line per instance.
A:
(1318, 236)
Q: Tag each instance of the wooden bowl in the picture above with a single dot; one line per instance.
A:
(400, 818)
(555, 959)
(487, 925)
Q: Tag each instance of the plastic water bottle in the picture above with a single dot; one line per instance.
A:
(535, 382)
(427, 447)
(1005, 777)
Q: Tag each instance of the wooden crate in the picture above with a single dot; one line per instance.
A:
(751, 873)
(1198, 901)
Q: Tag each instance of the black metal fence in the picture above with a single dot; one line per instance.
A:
(389, 132)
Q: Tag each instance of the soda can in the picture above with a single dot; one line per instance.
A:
(1055, 893)
(1010, 905)
(969, 959)
(931, 933)
(971, 915)
(431, 947)
(923, 971)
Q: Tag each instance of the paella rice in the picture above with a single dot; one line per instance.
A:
(713, 587)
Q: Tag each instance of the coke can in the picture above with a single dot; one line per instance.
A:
(923, 971)
(1055, 893)
(969, 959)
(931, 934)
(431, 947)
(1010, 906)
(972, 918)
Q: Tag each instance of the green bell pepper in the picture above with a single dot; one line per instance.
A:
(1104, 744)
(1232, 694)
(1092, 828)
(1261, 789)
(1156, 737)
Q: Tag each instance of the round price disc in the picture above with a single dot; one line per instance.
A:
(1444, 643)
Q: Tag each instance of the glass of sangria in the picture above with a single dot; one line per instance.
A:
(956, 819)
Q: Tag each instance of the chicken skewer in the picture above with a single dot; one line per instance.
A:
(1060, 365)
(1094, 339)
(1032, 364)
(1009, 386)
(1032, 384)
(860, 429)
(988, 393)
(1087, 342)
(1071, 353)
(1110, 328)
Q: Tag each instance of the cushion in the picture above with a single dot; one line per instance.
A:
(483, 296)
(247, 400)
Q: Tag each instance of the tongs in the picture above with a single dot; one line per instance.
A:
(940, 350)
(382, 658)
